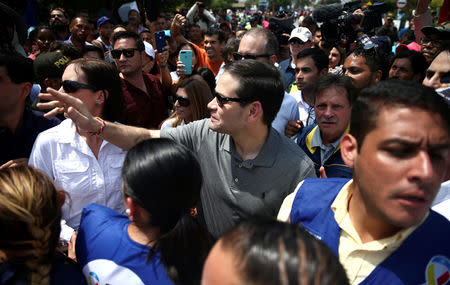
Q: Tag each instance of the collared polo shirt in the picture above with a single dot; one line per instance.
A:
(326, 151)
(235, 189)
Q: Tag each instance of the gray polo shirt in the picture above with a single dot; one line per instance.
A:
(234, 189)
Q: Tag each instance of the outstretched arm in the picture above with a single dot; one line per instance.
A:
(123, 136)
(175, 28)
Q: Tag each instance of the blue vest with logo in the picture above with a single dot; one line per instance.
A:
(422, 257)
(334, 166)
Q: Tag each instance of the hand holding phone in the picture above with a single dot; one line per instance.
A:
(186, 59)
(160, 40)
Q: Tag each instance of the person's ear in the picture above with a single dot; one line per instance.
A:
(273, 59)
(323, 72)
(26, 89)
(101, 96)
(61, 198)
(255, 111)
(376, 76)
(349, 150)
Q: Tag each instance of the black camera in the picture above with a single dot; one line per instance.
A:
(337, 20)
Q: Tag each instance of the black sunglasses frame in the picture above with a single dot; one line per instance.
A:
(182, 101)
(221, 100)
(127, 52)
(240, 56)
(71, 86)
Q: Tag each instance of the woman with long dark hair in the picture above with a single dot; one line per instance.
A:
(159, 241)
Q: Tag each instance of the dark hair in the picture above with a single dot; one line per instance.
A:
(375, 58)
(231, 46)
(390, 94)
(308, 20)
(418, 62)
(97, 49)
(104, 76)
(259, 81)
(271, 46)
(409, 34)
(272, 252)
(333, 80)
(62, 10)
(129, 35)
(164, 178)
(68, 50)
(194, 51)
(18, 67)
(215, 31)
(208, 76)
(319, 57)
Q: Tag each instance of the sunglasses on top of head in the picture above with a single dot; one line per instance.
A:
(71, 86)
(182, 101)
(127, 52)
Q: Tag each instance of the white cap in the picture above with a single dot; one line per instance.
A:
(301, 33)
(149, 49)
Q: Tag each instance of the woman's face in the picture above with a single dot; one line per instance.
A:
(183, 112)
(75, 84)
(194, 58)
(44, 38)
(334, 57)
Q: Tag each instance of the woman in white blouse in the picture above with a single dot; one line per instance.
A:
(86, 167)
(191, 100)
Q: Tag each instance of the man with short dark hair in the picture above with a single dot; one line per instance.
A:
(19, 125)
(311, 64)
(79, 29)
(195, 35)
(248, 167)
(398, 148)
(142, 92)
(321, 141)
(365, 66)
(408, 65)
(104, 28)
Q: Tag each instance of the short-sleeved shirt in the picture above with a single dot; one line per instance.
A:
(20, 144)
(142, 109)
(235, 189)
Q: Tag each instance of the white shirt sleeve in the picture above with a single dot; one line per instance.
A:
(284, 215)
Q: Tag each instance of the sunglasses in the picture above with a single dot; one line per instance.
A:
(222, 100)
(183, 101)
(127, 52)
(297, 41)
(71, 86)
(240, 56)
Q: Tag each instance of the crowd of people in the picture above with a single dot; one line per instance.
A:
(208, 147)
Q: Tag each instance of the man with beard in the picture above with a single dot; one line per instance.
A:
(59, 22)
(79, 29)
(321, 141)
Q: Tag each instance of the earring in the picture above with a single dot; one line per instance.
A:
(127, 211)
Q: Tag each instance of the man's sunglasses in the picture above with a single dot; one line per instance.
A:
(71, 86)
(297, 41)
(127, 52)
(240, 56)
(222, 100)
(184, 102)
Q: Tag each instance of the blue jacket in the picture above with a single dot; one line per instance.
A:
(334, 166)
(288, 72)
(424, 254)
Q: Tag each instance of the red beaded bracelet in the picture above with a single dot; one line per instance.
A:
(100, 129)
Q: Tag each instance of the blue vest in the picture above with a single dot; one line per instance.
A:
(423, 255)
(334, 166)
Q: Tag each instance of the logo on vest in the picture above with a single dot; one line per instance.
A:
(438, 270)
(93, 278)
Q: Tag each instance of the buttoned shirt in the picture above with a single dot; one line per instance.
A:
(306, 112)
(235, 189)
(67, 159)
(325, 150)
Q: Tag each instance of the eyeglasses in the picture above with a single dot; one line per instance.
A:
(71, 86)
(222, 100)
(127, 52)
(240, 56)
(436, 43)
(183, 101)
(298, 41)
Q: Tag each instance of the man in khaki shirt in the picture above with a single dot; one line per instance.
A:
(380, 224)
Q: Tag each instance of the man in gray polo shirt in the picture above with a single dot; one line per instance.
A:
(248, 167)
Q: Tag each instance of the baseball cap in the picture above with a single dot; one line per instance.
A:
(149, 49)
(301, 33)
(50, 65)
(440, 32)
(103, 20)
(411, 46)
(390, 16)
